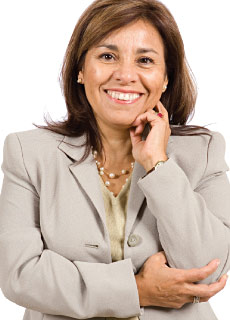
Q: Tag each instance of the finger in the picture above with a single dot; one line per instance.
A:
(145, 118)
(218, 285)
(140, 128)
(161, 108)
(198, 274)
(160, 257)
(142, 117)
(134, 138)
(209, 290)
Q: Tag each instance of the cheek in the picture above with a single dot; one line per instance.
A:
(95, 75)
(157, 80)
(154, 81)
(154, 84)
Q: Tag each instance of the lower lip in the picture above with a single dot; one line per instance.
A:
(123, 101)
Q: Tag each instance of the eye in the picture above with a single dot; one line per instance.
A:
(145, 59)
(106, 56)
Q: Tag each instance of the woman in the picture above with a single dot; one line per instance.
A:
(122, 210)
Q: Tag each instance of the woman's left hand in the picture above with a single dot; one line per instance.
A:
(153, 149)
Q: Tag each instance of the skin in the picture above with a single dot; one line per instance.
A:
(123, 125)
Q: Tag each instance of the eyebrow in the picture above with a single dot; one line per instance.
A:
(115, 48)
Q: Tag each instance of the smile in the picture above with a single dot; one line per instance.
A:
(121, 97)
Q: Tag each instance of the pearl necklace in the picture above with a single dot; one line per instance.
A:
(110, 175)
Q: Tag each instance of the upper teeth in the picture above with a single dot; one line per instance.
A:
(123, 96)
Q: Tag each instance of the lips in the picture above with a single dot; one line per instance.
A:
(123, 101)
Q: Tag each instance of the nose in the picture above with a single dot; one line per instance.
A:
(125, 73)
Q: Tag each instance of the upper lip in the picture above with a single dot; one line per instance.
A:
(123, 90)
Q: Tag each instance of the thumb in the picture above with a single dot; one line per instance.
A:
(160, 257)
(134, 138)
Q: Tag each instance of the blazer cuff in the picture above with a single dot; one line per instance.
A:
(117, 291)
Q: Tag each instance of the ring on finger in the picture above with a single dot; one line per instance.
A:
(196, 299)
(160, 115)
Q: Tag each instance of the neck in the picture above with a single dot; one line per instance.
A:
(117, 147)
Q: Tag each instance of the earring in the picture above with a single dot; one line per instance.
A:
(79, 80)
(165, 87)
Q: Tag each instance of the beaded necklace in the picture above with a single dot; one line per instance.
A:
(111, 175)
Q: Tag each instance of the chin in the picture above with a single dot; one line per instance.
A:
(121, 124)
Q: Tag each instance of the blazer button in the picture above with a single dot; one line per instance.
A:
(133, 240)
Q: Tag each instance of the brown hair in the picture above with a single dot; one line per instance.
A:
(98, 21)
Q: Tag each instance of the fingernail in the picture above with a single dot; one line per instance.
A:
(226, 277)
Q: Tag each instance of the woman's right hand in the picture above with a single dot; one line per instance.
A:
(160, 285)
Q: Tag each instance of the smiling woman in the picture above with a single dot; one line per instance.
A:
(121, 211)
(114, 73)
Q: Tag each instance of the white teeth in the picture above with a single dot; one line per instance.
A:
(123, 96)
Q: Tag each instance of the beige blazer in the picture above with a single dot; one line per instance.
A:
(54, 245)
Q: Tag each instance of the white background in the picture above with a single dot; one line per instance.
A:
(34, 36)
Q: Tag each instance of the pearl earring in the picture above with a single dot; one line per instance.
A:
(165, 87)
(79, 80)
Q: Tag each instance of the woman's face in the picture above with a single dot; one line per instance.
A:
(125, 74)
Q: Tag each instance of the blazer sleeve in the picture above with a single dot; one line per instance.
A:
(193, 225)
(42, 280)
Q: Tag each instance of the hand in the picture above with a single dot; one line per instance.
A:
(160, 285)
(153, 149)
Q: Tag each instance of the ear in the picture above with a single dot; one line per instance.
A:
(166, 80)
(80, 75)
(165, 84)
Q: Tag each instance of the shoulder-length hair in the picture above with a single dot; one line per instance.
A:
(100, 19)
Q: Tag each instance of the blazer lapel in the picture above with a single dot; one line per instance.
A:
(136, 196)
(86, 172)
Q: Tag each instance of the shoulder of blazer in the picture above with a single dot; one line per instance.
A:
(197, 143)
(39, 136)
(193, 153)
(43, 146)
(38, 144)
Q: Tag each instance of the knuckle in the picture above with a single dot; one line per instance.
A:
(202, 274)
(186, 289)
(179, 277)
(194, 273)
(158, 257)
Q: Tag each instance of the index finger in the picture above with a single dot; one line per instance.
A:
(208, 290)
(198, 274)
(161, 108)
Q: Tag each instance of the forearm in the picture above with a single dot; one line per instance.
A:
(190, 233)
(49, 283)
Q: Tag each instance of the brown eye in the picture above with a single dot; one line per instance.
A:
(146, 60)
(106, 56)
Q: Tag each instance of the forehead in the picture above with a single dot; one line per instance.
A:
(136, 34)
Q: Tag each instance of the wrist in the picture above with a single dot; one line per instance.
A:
(139, 289)
(152, 162)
